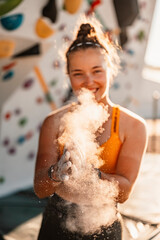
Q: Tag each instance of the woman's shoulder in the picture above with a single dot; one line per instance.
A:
(132, 123)
(60, 111)
(128, 115)
(133, 128)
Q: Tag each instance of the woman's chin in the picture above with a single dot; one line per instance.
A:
(101, 99)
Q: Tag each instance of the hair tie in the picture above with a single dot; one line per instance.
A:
(84, 44)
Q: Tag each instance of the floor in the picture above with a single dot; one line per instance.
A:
(18, 208)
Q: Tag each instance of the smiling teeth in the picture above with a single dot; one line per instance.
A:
(94, 90)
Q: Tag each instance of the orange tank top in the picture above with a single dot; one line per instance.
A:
(112, 146)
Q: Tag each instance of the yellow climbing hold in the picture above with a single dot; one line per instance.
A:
(43, 29)
(72, 6)
(6, 48)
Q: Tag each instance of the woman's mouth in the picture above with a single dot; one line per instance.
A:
(94, 90)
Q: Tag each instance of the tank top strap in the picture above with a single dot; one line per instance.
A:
(115, 120)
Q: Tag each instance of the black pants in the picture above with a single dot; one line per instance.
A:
(52, 228)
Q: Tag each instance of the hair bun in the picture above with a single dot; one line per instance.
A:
(85, 30)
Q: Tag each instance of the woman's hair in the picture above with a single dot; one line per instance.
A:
(90, 35)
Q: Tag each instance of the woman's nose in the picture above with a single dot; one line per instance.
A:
(88, 79)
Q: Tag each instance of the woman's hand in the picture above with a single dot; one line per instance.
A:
(64, 167)
(70, 164)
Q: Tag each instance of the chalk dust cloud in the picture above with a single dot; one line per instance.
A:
(80, 128)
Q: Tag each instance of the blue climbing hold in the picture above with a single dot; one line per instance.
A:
(21, 139)
(8, 75)
(12, 22)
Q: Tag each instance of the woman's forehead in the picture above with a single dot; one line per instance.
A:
(90, 56)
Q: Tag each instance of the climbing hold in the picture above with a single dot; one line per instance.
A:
(29, 135)
(6, 48)
(8, 5)
(39, 127)
(62, 27)
(8, 66)
(50, 10)
(72, 6)
(2, 179)
(140, 35)
(31, 155)
(8, 75)
(28, 83)
(66, 38)
(21, 139)
(17, 111)
(53, 82)
(39, 100)
(31, 51)
(116, 85)
(93, 6)
(130, 51)
(12, 150)
(6, 142)
(7, 115)
(43, 29)
(22, 122)
(12, 22)
(56, 64)
(48, 97)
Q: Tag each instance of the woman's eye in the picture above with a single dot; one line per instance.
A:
(77, 74)
(97, 71)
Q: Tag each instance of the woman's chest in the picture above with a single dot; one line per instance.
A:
(104, 133)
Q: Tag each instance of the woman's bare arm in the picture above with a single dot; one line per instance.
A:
(47, 155)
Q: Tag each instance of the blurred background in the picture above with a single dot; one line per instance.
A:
(33, 37)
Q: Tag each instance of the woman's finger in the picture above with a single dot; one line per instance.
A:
(74, 170)
(64, 177)
(66, 166)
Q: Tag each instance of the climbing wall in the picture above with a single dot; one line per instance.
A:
(129, 88)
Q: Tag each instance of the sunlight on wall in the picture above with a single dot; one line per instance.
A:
(151, 70)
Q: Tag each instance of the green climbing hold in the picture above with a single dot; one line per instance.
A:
(48, 97)
(8, 5)
(2, 179)
(53, 82)
(23, 121)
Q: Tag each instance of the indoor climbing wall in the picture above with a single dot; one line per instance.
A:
(33, 38)
(129, 88)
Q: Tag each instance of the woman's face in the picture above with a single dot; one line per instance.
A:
(88, 69)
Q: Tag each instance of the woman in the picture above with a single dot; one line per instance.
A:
(92, 61)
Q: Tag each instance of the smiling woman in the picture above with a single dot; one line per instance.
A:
(65, 170)
(88, 69)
